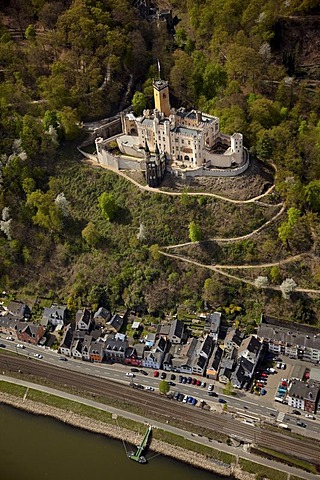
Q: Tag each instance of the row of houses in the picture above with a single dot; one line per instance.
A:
(303, 395)
(287, 338)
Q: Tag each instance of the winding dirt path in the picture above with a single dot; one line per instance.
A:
(219, 269)
(231, 239)
(146, 188)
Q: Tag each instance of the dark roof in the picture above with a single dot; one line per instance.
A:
(290, 333)
(212, 322)
(247, 365)
(116, 322)
(67, 338)
(103, 313)
(201, 361)
(18, 309)
(9, 321)
(84, 315)
(176, 328)
(57, 312)
(207, 345)
(215, 358)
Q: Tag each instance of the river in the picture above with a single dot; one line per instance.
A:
(39, 448)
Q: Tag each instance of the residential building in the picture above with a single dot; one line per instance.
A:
(212, 324)
(86, 347)
(178, 332)
(83, 320)
(97, 352)
(30, 332)
(19, 309)
(67, 341)
(304, 395)
(152, 359)
(114, 324)
(233, 338)
(54, 315)
(8, 325)
(291, 339)
(202, 354)
(214, 363)
(102, 317)
(249, 354)
(115, 349)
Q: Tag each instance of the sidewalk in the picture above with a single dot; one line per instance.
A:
(204, 441)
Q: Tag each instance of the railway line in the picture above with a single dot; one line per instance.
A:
(151, 404)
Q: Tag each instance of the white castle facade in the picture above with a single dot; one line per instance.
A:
(189, 142)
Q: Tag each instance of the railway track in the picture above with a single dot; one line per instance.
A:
(151, 404)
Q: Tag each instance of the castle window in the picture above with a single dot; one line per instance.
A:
(182, 141)
(188, 142)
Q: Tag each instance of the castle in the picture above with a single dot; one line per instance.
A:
(184, 143)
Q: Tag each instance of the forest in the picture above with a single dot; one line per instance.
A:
(77, 234)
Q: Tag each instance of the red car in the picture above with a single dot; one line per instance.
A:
(264, 375)
(198, 383)
(155, 373)
(194, 381)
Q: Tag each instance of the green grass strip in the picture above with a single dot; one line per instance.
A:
(261, 470)
(284, 458)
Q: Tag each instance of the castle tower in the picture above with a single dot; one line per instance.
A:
(161, 96)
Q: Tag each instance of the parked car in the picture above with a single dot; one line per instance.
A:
(143, 372)
(184, 379)
(19, 345)
(190, 399)
(2, 345)
(203, 384)
(37, 355)
(134, 369)
(148, 387)
(181, 397)
(198, 383)
(172, 377)
(180, 378)
(130, 374)
(163, 375)
(194, 381)
(63, 359)
(308, 415)
(172, 384)
(210, 387)
(156, 373)
(176, 395)
(10, 338)
(194, 401)
(189, 380)
(185, 399)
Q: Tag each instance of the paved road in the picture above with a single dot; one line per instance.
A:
(243, 404)
(205, 441)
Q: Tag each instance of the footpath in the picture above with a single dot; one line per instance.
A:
(237, 451)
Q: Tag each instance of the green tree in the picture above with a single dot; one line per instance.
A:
(164, 387)
(139, 103)
(154, 252)
(312, 191)
(275, 274)
(91, 235)
(108, 205)
(69, 121)
(194, 232)
(286, 229)
(228, 389)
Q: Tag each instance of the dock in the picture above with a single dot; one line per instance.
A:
(138, 457)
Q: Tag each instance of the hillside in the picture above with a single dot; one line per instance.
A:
(253, 64)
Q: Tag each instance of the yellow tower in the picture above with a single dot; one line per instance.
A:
(161, 96)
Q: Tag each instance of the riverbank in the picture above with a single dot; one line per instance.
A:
(168, 440)
(120, 433)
